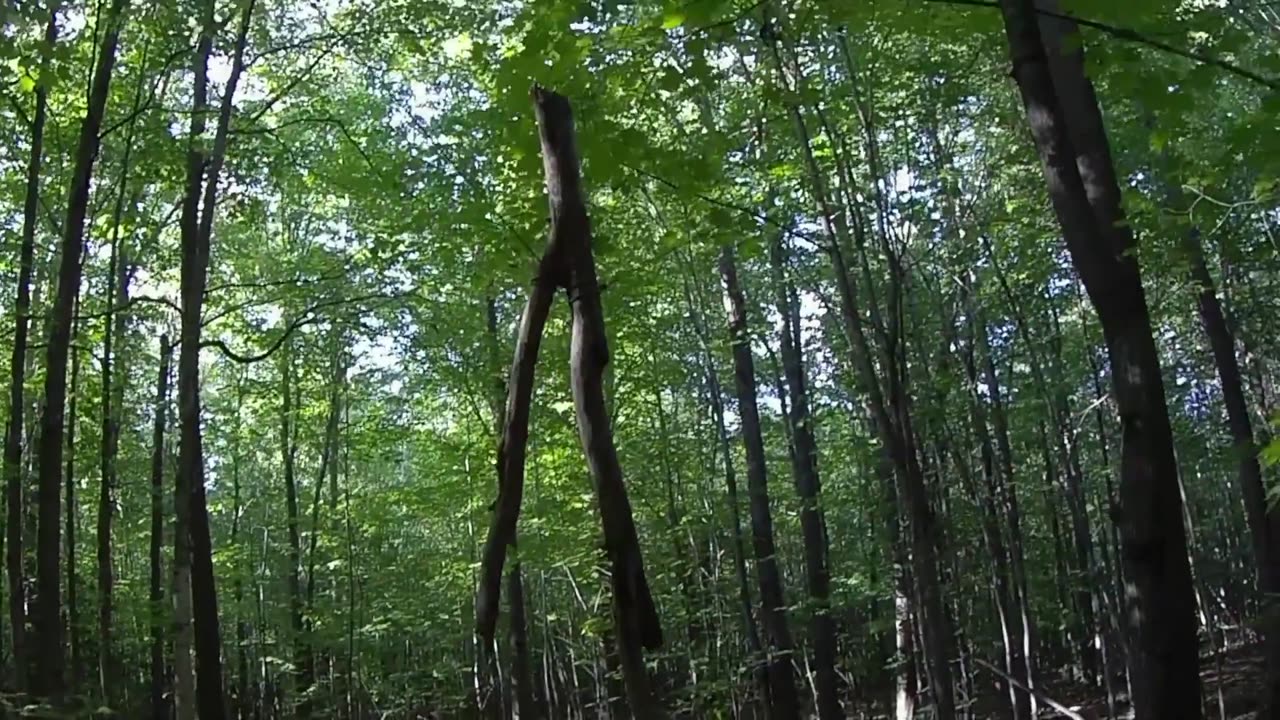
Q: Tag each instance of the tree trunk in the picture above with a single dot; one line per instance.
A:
(159, 706)
(288, 454)
(73, 582)
(808, 486)
(893, 418)
(760, 669)
(112, 397)
(49, 678)
(1263, 516)
(1161, 603)
(783, 699)
(196, 231)
(17, 376)
(634, 614)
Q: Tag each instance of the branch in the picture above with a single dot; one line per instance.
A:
(758, 217)
(1073, 715)
(1131, 35)
(307, 317)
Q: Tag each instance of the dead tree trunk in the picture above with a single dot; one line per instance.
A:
(568, 263)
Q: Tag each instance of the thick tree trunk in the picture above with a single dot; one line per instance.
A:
(49, 678)
(808, 486)
(783, 699)
(159, 705)
(17, 377)
(1161, 603)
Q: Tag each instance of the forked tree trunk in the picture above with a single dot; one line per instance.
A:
(49, 678)
(1081, 180)
(196, 226)
(568, 263)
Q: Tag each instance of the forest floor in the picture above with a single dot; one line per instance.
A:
(1230, 680)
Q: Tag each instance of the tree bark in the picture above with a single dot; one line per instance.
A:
(17, 374)
(783, 699)
(809, 487)
(568, 263)
(159, 706)
(288, 454)
(196, 228)
(119, 274)
(634, 614)
(1263, 516)
(49, 678)
(1161, 603)
(760, 669)
(69, 476)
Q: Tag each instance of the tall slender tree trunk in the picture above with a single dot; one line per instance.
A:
(112, 396)
(119, 274)
(288, 454)
(1068, 132)
(49, 678)
(784, 701)
(760, 669)
(808, 486)
(890, 406)
(196, 226)
(17, 376)
(69, 477)
(1263, 516)
(159, 705)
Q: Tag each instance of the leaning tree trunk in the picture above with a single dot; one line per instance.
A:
(634, 614)
(49, 679)
(783, 699)
(17, 376)
(1081, 179)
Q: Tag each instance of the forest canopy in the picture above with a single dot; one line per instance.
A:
(583, 358)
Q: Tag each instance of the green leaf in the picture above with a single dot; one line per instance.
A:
(673, 19)
(26, 82)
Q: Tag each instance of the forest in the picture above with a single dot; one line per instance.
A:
(408, 359)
